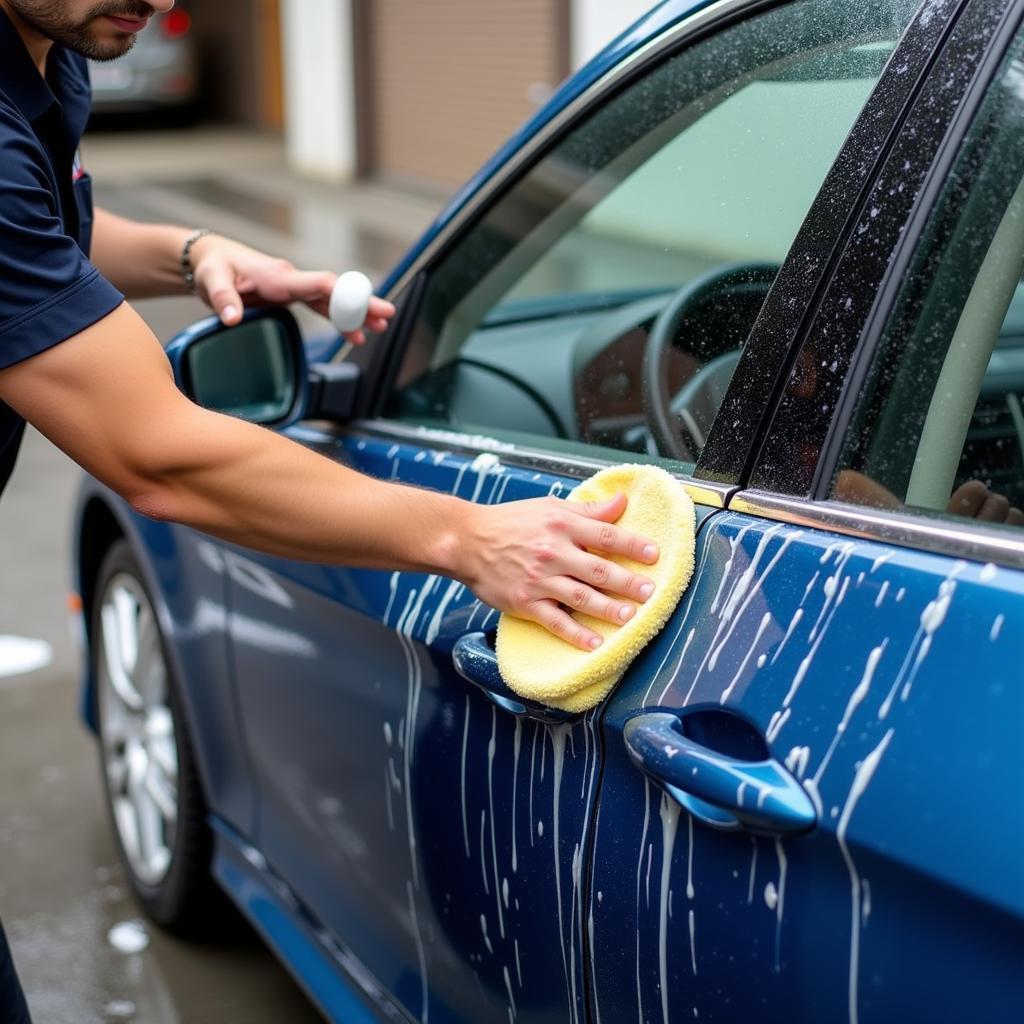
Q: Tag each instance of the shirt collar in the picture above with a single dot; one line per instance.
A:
(20, 78)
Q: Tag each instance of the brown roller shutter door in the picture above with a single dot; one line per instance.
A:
(445, 82)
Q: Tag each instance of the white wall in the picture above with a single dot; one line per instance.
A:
(319, 87)
(597, 22)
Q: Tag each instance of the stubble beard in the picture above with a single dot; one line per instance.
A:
(50, 19)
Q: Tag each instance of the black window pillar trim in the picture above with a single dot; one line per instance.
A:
(900, 265)
(809, 421)
(773, 346)
(389, 350)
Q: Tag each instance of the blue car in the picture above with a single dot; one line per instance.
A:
(775, 248)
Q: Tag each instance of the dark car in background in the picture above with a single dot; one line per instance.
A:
(776, 248)
(159, 74)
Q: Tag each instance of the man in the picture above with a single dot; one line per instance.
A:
(80, 365)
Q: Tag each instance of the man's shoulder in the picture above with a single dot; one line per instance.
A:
(19, 146)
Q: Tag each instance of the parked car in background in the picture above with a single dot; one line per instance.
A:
(159, 74)
(775, 248)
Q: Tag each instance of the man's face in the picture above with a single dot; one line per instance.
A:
(97, 29)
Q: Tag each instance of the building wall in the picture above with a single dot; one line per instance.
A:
(319, 87)
(597, 22)
(320, 100)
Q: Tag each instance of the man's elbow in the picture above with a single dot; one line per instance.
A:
(154, 502)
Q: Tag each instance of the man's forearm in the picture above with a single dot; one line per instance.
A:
(107, 397)
(141, 260)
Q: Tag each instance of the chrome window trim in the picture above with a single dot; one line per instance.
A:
(974, 541)
(650, 51)
(701, 492)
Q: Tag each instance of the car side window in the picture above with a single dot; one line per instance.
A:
(939, 426)
(602, 301)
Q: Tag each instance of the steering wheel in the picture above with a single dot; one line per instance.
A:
(712, 317)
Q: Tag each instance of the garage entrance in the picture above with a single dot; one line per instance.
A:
(444, 84)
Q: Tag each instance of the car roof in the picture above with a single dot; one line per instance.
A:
(639, 34)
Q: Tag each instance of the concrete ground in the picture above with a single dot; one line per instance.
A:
(61, 889)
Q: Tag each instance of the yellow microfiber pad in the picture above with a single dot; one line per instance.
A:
(539, 666)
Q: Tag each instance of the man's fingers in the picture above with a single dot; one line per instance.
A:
(995, 509)
(380, 308)
(555, 620)
(968, 499)
(308, 286)
(579, 597)
(596, 532)
(607, 511)
(612, 578)
(218, 283)
(1015, 517)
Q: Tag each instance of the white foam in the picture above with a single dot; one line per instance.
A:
(128, 937)
(21, 654)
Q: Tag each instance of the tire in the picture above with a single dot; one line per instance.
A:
(147, 764)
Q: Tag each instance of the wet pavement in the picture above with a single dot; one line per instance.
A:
(61, 890)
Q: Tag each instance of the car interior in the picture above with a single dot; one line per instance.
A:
(603, 301)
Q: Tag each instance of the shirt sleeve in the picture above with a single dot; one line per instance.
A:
(49, 291)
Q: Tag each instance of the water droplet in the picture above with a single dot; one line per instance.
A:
(128, 937)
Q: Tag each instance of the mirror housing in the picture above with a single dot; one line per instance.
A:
(256, 370)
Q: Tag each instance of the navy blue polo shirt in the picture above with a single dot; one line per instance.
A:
(49, 291)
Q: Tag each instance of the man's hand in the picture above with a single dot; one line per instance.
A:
(534, 559)
(230, 276)
(974, 500)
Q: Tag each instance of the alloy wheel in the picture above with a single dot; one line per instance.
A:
(137, 729)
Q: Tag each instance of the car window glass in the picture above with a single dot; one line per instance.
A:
(680, 196)
(939, 425)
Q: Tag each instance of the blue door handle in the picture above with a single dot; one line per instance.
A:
(476, 662)
(723, 791)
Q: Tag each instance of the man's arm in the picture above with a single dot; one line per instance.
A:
(144, 261)
(108, 399)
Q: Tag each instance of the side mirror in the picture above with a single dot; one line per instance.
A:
(256, 370)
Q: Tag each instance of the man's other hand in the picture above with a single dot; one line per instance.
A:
(230, 276)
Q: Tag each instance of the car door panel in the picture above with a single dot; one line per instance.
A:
(440, 839)
(885, 681)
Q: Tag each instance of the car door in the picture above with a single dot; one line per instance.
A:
(814, 798)
(435, 827)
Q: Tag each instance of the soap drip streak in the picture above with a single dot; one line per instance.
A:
(856, 699)
(861, 780)
(494, 827)
(558, 735)
(577, 893)
(404, 629)
(675, 639)
(483, 854)
(742, 591)
(421, 955)
(781, 855)
(516, 743)
(669, 812)
(533, 756)
(753, 871)
(639, 872)
(465, 743)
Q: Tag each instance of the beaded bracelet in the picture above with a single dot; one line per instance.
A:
(187, 273)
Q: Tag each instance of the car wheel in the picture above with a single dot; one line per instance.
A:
(148, 767)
